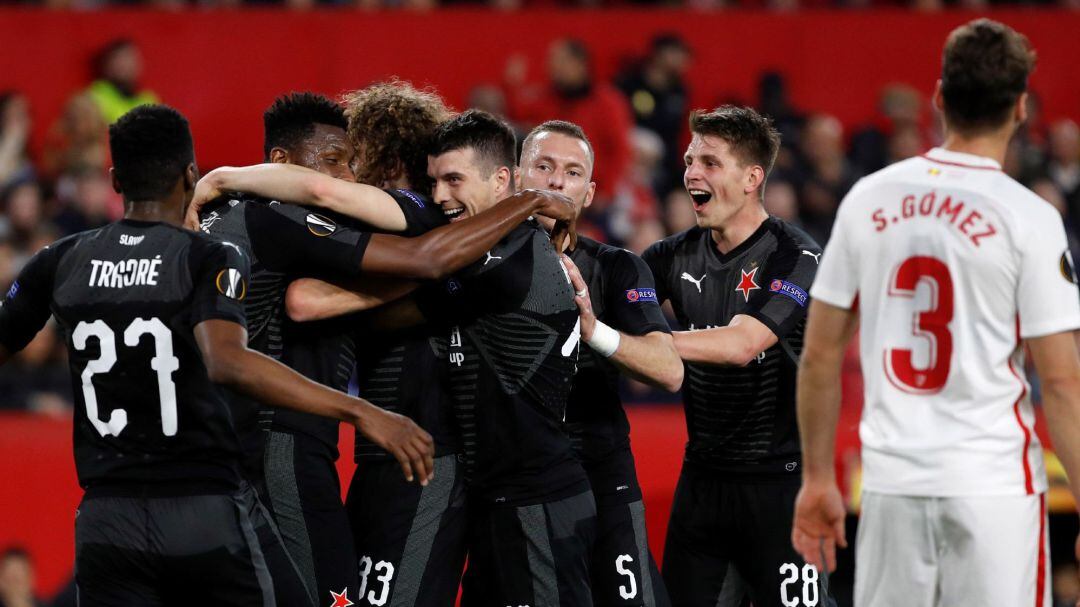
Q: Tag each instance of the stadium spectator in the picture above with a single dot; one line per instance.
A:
(823, 174)
(574, 94)
(86, 201)
(781, 200)
(17, 578)
(36, 379)
(119, 67)
(657, 91)
(23, 209)
(679, 211)
(14, 132)
(900, 108)
(78, 139)
(1063, 162)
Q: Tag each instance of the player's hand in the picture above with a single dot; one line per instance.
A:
(818, 527)
(581, 298)
(205, 191)
(558, 207)
(410, 445)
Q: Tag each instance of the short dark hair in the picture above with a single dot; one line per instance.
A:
(292, 118)
(151, 148)
(491, 138)
(752, 137)
(984, 70)
(562, 127)
(392, 123)
(15, 551)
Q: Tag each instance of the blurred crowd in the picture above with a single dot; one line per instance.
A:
(636, 121)
(771, 5)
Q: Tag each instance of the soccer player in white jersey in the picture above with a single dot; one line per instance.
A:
(950, 267)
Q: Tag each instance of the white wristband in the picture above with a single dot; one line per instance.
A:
(604, 340)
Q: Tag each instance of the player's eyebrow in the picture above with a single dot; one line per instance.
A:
(451, 175)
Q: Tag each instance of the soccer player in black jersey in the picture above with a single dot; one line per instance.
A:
(153, 318)
(738, 283)
(287, 241)
(615, 287)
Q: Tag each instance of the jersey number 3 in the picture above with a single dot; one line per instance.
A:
(931, 324)
(163, 362)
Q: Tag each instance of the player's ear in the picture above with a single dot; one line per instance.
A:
(279, 156)
(504, 180)
(1021, 109)
(115, 182)
(191, 177)
(755, 179)
(937, 99)
(589, 194)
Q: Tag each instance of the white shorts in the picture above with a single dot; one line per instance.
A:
(949, 551)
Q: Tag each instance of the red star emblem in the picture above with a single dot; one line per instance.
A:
(341, 599)
(747, 283)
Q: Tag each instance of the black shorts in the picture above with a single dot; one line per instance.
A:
(729, 543)
(624, 573)
(531, 555)
(289, 586)
(410, 539)
(187, 550)
(303, 494)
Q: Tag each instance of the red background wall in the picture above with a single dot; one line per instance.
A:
(223, 68)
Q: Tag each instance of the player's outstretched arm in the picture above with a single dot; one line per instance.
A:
(737, 344)
(1058, 366)
(649, 358)
(296, 184)
(230, 362)
(819, 509)
(309, 299)
(449, 248)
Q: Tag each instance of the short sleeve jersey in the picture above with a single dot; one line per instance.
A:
(950, 263)
(405, 371)
(623, 296)
(286, 241)
(741, 419)
(127, 298)
(512, 353)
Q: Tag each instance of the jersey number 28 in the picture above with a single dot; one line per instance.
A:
(931, 324)
(163, 362)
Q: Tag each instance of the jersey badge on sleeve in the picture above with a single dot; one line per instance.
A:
(319, 225)
(641, 294)
(14, 290)
(747, 284)
(230, 283)
(790, 289)
(413, 197)
(1068, 270)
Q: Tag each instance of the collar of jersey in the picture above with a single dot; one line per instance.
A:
(742, 247)
(962, 159)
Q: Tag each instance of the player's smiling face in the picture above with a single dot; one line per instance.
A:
(560, 163)
(461, 187)
(719, 185)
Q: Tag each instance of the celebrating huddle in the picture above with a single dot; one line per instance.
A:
(415, 253)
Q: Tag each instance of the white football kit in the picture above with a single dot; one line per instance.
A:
(950, 263)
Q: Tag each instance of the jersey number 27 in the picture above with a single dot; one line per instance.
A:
(163, 362)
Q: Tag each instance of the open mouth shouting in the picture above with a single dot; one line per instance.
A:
(700, 197)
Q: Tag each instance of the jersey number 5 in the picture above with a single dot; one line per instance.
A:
(163, 362)
(931, 324)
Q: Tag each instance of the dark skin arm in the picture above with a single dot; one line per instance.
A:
(230, 362)
(449, 248)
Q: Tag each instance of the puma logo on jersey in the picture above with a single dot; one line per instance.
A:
(816, 256)
(131, 241)
(209, 221)
(490, 257)
(697, 281)
(126, 273)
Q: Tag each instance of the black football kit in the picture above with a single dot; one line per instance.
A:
(167, 518)
(623, 296)
(291, 455)
(735, 497)
(410, 539)
(513, 347)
